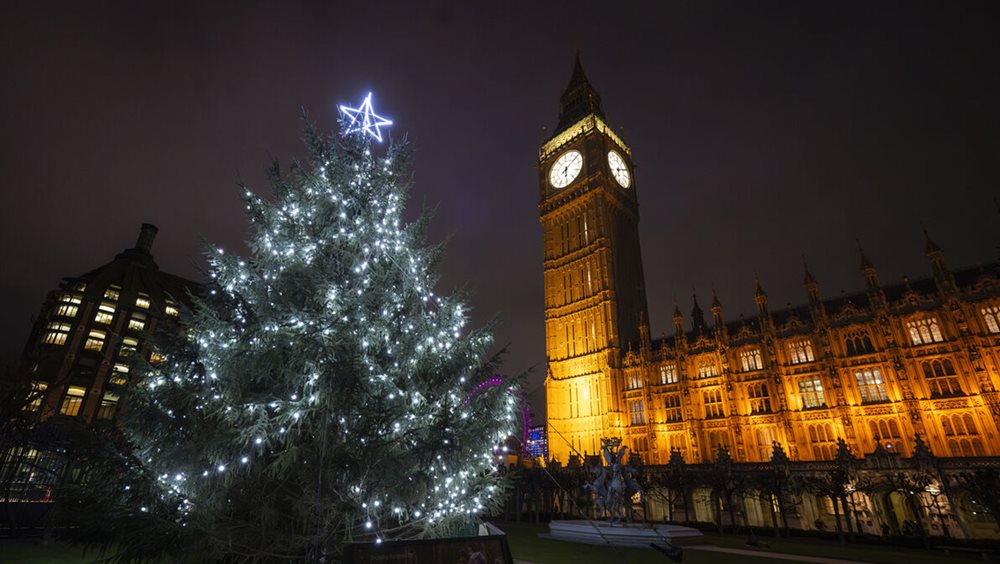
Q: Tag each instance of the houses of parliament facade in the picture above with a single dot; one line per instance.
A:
(876, 368)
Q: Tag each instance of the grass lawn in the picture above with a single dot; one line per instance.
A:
(833, 549)
(526, 545)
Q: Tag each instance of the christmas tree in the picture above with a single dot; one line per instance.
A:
(321, 391)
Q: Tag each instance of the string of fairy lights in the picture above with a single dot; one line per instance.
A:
(299, 230)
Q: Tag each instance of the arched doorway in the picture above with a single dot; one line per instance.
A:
(895, 510)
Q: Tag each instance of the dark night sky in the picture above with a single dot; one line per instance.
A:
(760, 132)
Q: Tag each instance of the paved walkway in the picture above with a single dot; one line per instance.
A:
(758, 553)
(775, 555)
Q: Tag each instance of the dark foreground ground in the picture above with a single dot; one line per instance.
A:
(527, 546)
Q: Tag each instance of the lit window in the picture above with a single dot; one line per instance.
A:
(73, 401)
(760, 400)
(66, 310)
(129, 346)
(68, 305)
(668, 374)
(112, 293)
(56, 333)
(672, 405)
(105, 313)
(638, 416)
(118, 373)
(811, 392)
(871, 385)
(924, 331)
(155, 358)
(95, 340)
(171, 309)
(713, 404)
(108, 404)
(137, 322)
(142, 300)
(707, 368)
(36, 395)
(80, 286)
(801, 351)
(750, 359)
(941, 378)
(991, 315)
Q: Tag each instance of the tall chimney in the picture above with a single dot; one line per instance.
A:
(147, 233)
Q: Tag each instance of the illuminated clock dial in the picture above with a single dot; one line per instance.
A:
(566, 168)
(619, 169)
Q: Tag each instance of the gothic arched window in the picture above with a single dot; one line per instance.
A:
(924, 331)
(871, 385)
(942, 381)
(750, 359)
(760, 401)
(858, 342)
(963, 435)
(886, 432)
(991, 316)
(672, 408)
(713, 404)
(824, 446)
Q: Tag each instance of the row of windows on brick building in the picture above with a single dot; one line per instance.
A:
(65, 315)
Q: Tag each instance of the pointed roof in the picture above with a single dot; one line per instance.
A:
(697, 315)
(579, 100)
(677, 312)
(758, 290)
(865, 263)
(809, 279)
(929, 245)
(715, 300)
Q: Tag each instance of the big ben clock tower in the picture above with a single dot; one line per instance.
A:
(595, 297)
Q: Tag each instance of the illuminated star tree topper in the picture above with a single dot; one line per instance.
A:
(363, 119)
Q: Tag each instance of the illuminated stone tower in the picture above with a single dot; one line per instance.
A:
(595, 299)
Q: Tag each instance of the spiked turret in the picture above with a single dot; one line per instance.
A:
(678, 319)
(816, 308)
(871, 275)
(812, 286)
(942, 276)
(929, 245)
(760, 296)
(697, 316)
(717, 320)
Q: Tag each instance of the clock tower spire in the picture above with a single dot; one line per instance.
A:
(595, 297)
(579, 100)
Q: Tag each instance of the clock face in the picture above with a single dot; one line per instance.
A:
(566, 168)
(619, 169)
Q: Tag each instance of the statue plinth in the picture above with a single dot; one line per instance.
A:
(623, 534)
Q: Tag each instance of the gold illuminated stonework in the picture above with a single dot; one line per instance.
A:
(876, 367)
(580, 129)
